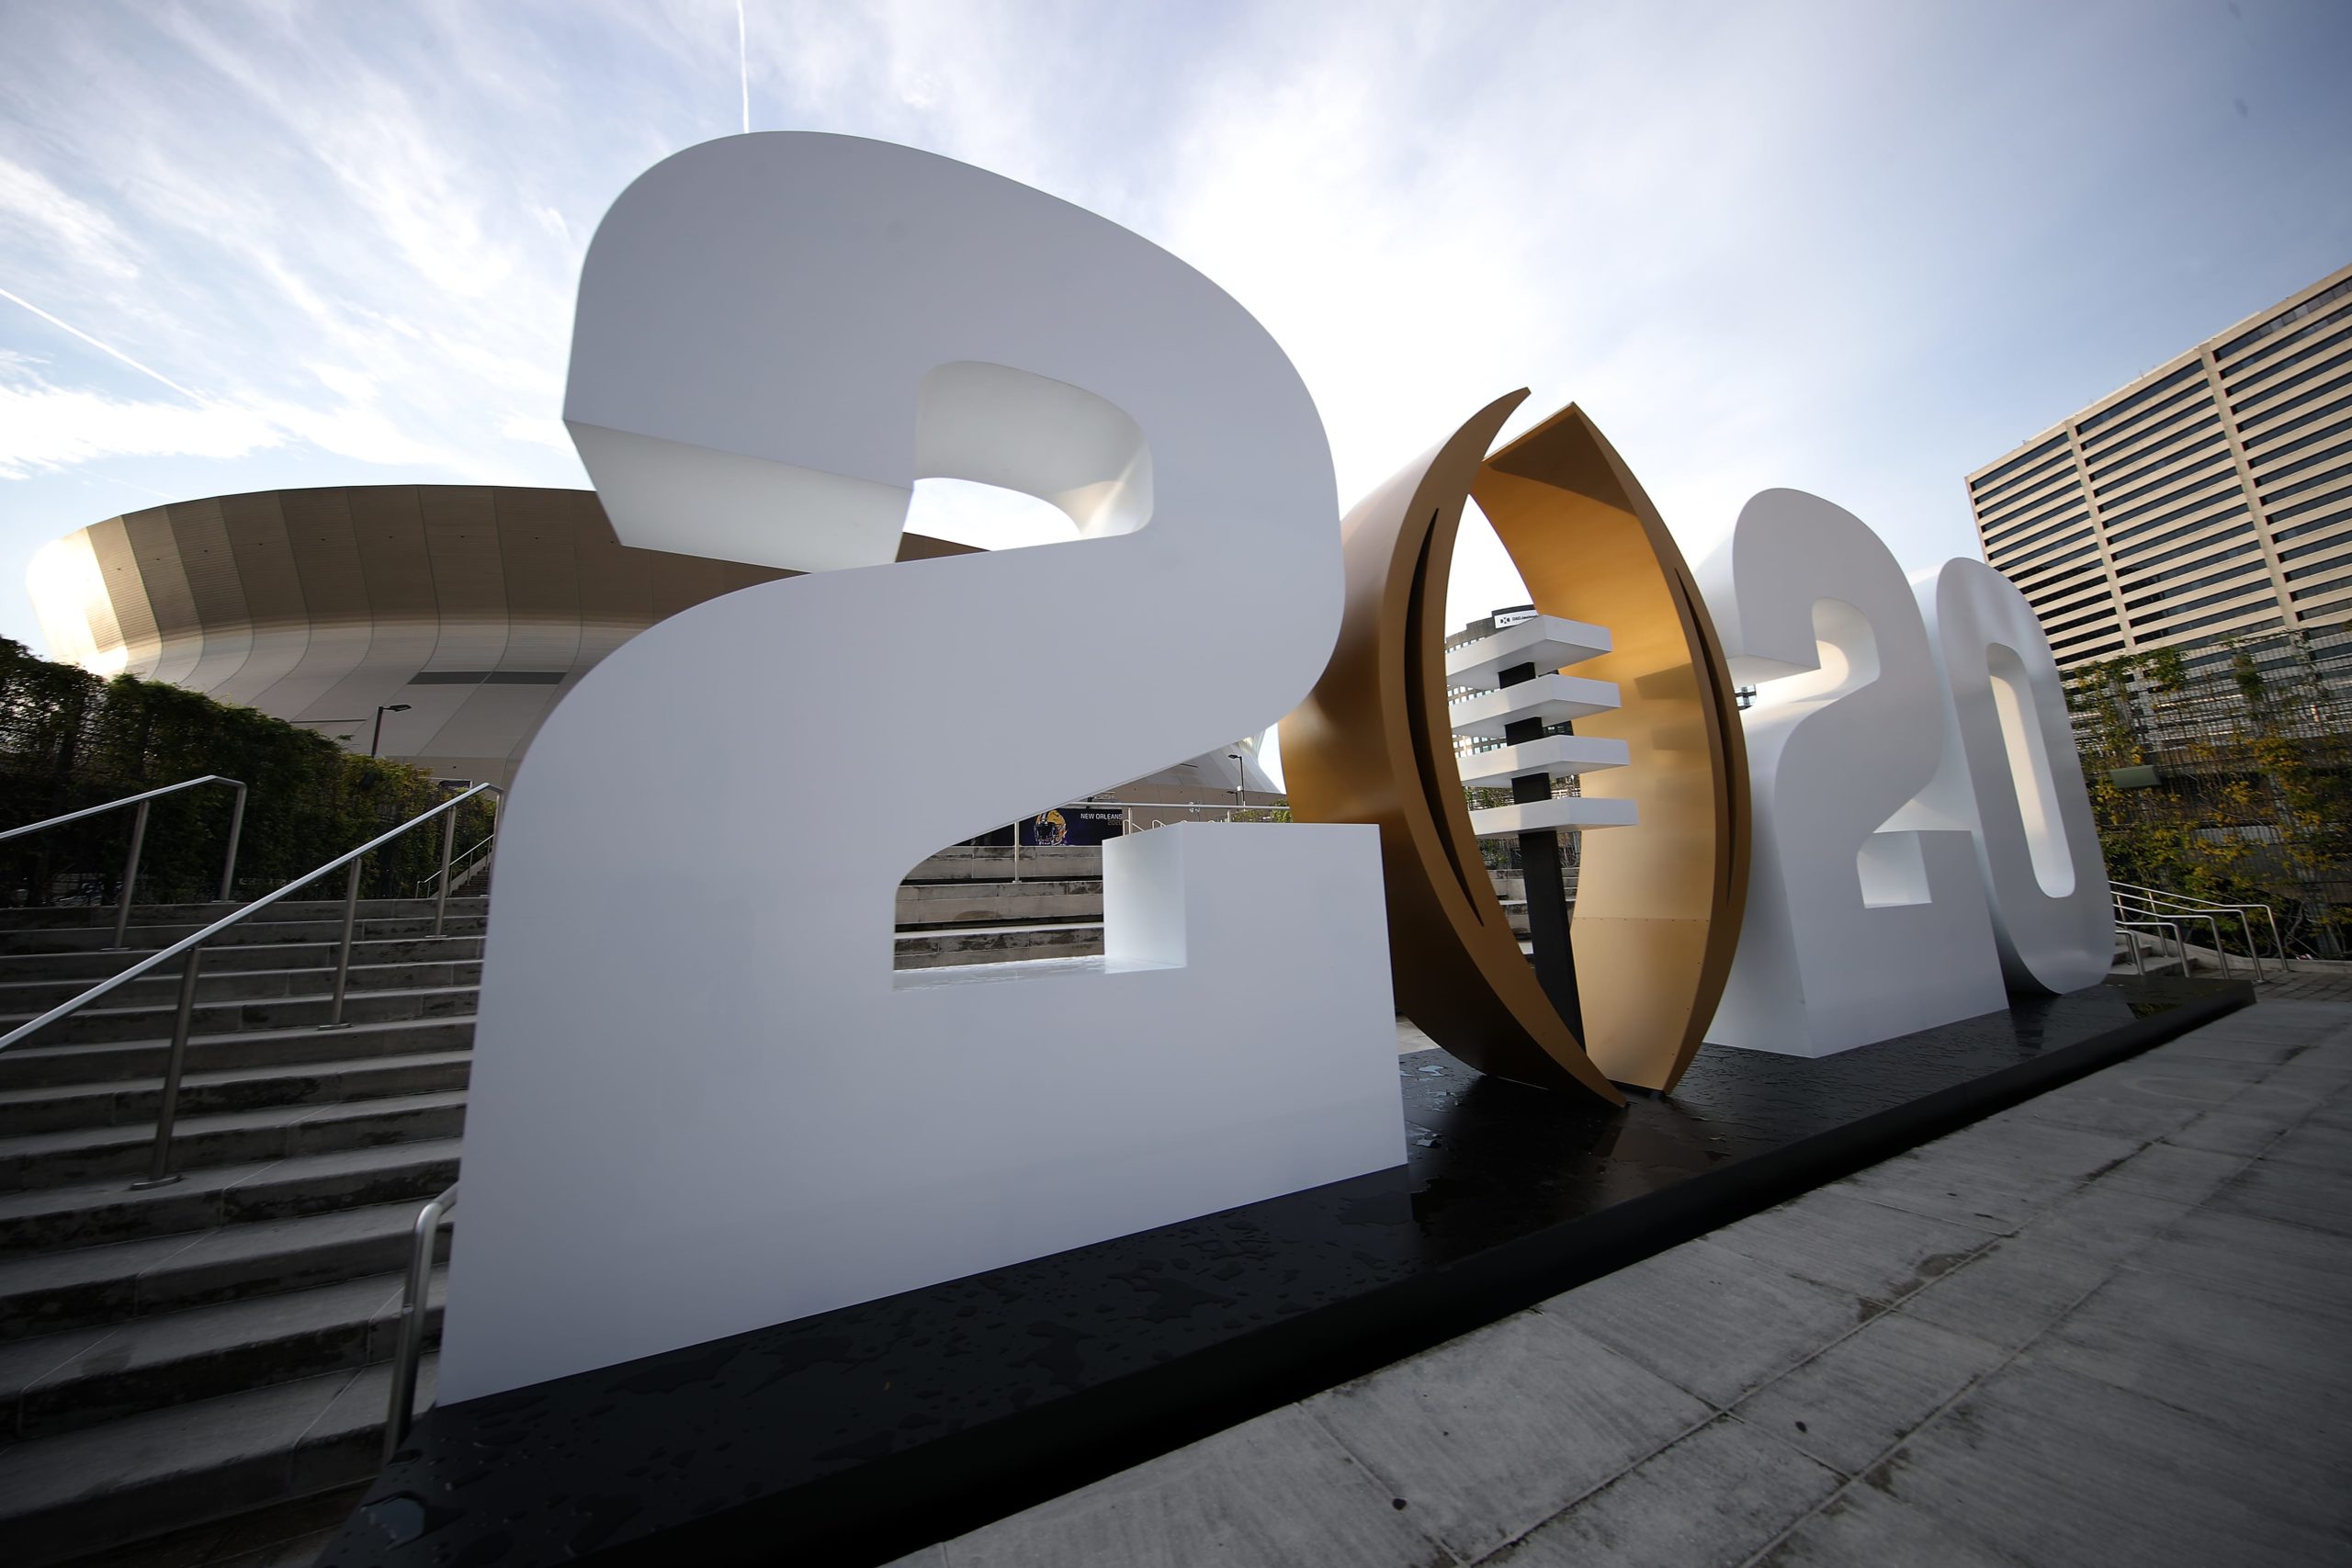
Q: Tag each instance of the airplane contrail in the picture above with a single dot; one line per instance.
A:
(101, 347)
(743, 58)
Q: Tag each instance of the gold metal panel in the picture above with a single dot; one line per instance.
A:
(1658, 905)
(1373, 743)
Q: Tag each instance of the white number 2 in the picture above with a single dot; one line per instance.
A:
(701, 1102)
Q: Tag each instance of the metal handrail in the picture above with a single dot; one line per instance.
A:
(2244, 913)
(158, 1172)
(456, 866)
(2147, 906)
(408, 1346)
(138, 841)
(2130, 930)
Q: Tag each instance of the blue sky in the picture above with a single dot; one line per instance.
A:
(1855, 248)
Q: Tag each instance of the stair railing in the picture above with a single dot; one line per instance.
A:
(2130, 903)
(138, 841)
(408, 1346)
(2156, 899)
(460, 870)
(2130, 932)
(159, 1171)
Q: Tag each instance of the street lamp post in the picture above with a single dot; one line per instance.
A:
(381, 709)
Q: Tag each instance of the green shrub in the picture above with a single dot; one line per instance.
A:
(69, 739)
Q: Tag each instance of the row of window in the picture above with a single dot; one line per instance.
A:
(2069, 529)
(2045, 573)
(2136, 429)
(2162, 469)
(2337, 442)
(2279, 514)
(2098, 599)
(2168, 449)
(2019, 502)
(2215, 620)
(2327, 590)
(2054, 502)
(2338, 351)
(2234, 573)
(1986, 483)
(2270, 359)
(2050, 596)
(2274, 401)
(2141, 563)
(2204, 601)
(2196, 573)
(2077, 616)
(2334, 541)
(2115, 410)
(2199, 465)
(2260, 440)
(2201, 490)
(2194, 534)
(2334, 474)
(2287, 317)
(2296, 396)
(2104, 636)
(2143, 426)
(2316, 524)
(2328, 567)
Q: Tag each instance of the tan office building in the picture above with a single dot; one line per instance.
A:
(2210, 498)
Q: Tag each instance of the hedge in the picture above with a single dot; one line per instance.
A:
(70, 740)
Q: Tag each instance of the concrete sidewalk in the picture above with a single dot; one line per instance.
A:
(2113, 1326)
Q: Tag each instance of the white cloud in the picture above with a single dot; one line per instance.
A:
(44, 215)
(1831, 243)
(538, 431)
(44, 427)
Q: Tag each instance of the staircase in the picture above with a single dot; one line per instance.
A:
(985, 906)
(195, 1352)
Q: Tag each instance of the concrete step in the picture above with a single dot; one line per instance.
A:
(89, 1213)
(100, 1287)
(102, 916)
(974, 863)
(101, 1022)
(989, 945)
(86, 967)
(84, 1155)
(64, 1382)
(160, 988)
(998, 903)
(44, 1065)
(61, 1107)
(259, 930)
(79, 1493)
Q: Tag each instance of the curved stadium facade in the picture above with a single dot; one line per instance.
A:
(475, 605)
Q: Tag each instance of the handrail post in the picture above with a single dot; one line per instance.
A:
(129, 879)
(343, 956)
(448, 844)
(408, 1346)
(158, 1173)
(236, 832)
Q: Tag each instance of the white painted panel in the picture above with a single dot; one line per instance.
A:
(700, 1102)
(1573, 813)
(2011, 772)
(1865, 918)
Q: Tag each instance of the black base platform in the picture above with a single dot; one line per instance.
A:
(863, 1434)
